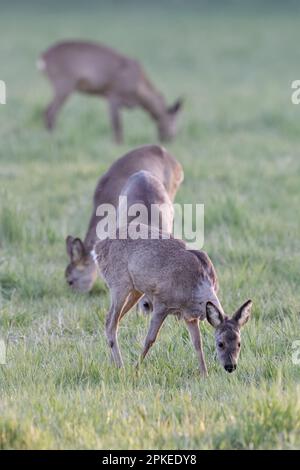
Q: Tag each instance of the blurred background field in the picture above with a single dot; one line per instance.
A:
(239, 145)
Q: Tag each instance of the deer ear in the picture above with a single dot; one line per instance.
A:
(69, 241)
(242, 315)
(75, 249)
(214, 315)
(175, 107)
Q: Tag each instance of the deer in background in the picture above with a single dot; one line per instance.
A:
(177, 281)
(81, 272)
(97, 70)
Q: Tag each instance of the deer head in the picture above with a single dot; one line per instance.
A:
(167, 123)
(81, 272)
(227, 332)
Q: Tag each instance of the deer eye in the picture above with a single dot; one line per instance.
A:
(221, 345)
(239, 345)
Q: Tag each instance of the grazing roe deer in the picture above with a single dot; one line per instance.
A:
(81, 272)
(95, 69)
(177, 281)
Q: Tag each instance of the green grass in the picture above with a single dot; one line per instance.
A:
(240, 148)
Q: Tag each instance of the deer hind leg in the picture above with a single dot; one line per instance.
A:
(121, 304)
(61, 92)
(194, 330)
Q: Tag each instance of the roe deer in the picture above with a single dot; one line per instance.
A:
(81, 272)
(177, 281)
(95, 69)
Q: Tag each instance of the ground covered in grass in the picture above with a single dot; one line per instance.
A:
(240, 148)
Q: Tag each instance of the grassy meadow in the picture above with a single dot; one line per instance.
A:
(239, 145)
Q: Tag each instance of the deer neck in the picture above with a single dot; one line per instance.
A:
(152, 101)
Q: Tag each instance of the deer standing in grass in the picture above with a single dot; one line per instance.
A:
(97, 70)
(81, 272)
(177, 281)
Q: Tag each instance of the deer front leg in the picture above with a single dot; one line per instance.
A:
(156, 322)
(194, 330)
(111, 329)
(115, 118)
(118, 301)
